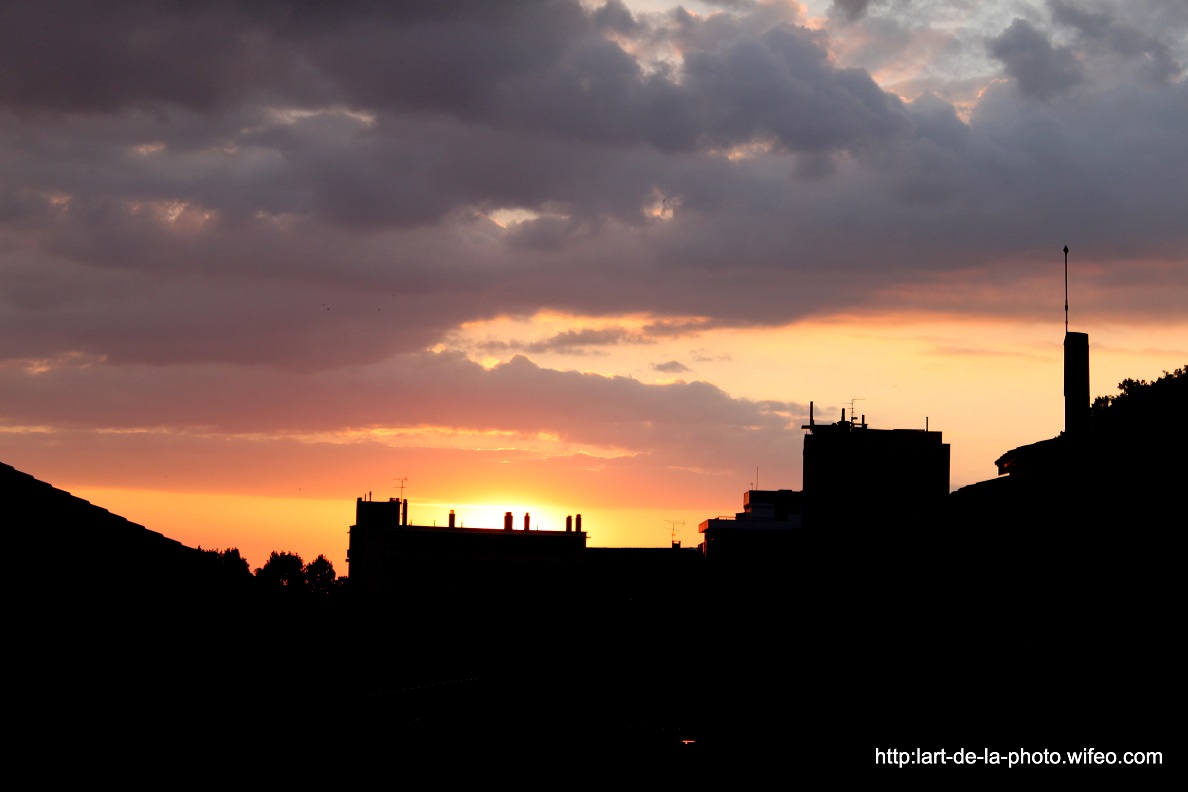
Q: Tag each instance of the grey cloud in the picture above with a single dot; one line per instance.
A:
(1156, 58)
(693, 419)
(544, 67)
(671, 328)
(814, 165)
(1039, 69)
(542, 233)
(304, 321)
(934, 164)
(671, 367)
(782, 85)
(96, 57)
(350, 166)
(66, 57)
(613, 15)
(571, 339)
(580, 342)
(850, 10)
(575, 342)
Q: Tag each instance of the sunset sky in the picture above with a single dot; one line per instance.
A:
(260, 258)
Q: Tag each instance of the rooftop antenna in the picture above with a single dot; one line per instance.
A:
(1066, 288)
(401, 480)
(674, 524)
(854, 412)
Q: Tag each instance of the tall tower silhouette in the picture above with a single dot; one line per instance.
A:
(1076, 371)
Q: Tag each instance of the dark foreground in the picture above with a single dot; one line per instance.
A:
(797, 667)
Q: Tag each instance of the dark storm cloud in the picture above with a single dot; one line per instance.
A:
(309, 185)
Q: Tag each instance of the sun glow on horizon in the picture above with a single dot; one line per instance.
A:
(255, 524)
(490, 515)
(987, 385)
(309, 527)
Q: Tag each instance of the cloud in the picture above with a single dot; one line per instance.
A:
(671, 367)
(311, 186)
(442, 389)
(1039, 69)
(1129, 44)
(849, 10)
(577, 340)
(694, 425)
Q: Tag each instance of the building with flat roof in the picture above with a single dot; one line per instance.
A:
(386, 552)
(765, 528)
(855, 477)
(858, 477)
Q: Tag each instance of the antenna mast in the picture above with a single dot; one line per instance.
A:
(1066, 289)
(674, 524)
(853, 420)
(401, 480)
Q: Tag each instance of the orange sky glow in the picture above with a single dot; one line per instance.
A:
(987, 387)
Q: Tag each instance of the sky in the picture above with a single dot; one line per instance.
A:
(260, 259)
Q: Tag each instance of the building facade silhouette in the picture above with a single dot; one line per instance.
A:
(855, 478)
(386, 552)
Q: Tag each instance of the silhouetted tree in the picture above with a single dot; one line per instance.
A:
(283, 571)
(1141, 403)
(232, 564)
(319, 576)
(226, 568)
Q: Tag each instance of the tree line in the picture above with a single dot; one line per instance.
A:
(1140, 403)
(282, 572)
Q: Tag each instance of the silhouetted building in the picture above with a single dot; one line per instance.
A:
(386, 553)
(1056, 459)
(1061, 455)
(858, 477)
(1106, 470)
(855, 477)
(1076, 382)
(764, 529)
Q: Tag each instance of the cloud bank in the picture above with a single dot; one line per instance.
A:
(257, 217)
